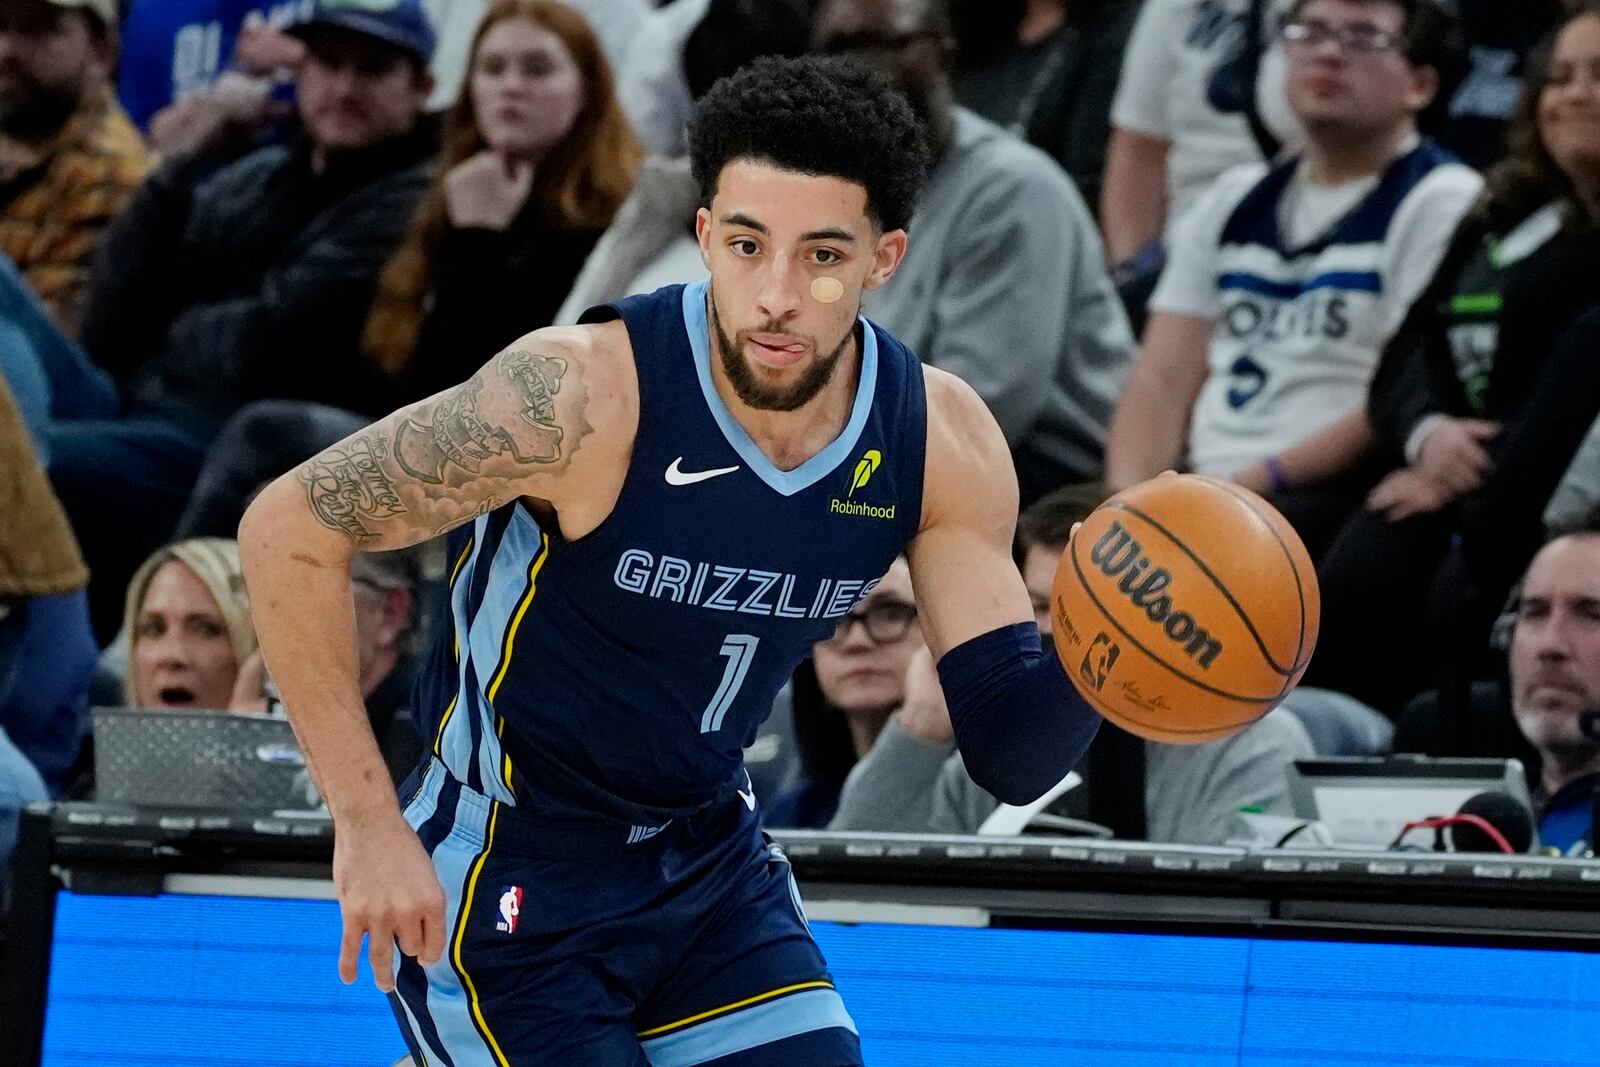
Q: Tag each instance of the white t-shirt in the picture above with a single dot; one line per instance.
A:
(1175, 47)
(1298, 333)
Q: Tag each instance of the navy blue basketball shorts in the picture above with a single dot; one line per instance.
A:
(584, 941)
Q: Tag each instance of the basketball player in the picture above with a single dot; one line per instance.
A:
(655, 515)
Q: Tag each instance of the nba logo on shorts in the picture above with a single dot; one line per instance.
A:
(510, 908)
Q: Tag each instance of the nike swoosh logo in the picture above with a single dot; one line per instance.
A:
(748, 798)
(675, 476)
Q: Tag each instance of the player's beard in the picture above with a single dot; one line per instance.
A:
(757, 394)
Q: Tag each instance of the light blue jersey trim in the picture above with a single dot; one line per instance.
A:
(519, 546)
(455, 745)
(818, 466)
(801, 1013)
(447, 1002)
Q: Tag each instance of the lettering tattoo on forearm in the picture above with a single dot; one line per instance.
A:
(457, 434)
(347, 487)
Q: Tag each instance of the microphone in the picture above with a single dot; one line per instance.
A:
(1506, 817)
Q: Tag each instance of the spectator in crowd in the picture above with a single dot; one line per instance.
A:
(69, 157)
(186, 635)
(1050, 79)
(387, 590)
(1482, 398)
(1004, 282)
(1544, 709)
(1284, 283)
(617, 24)
(188, 626)
(45, 660)
(844, 695)
(1202, 91)
(1555, 680)
(216, 287)
(537, 159)
(914, 781)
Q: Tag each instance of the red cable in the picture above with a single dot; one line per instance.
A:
(1440, 821)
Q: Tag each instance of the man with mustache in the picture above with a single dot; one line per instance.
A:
(238, 274)
(1555, 679)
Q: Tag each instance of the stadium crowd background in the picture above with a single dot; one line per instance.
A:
(233, 232)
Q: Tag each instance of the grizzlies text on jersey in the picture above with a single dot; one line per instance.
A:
(622, 674)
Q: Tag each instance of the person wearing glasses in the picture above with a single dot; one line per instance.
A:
(1284, 282)
(845, 694)
(1481, 403)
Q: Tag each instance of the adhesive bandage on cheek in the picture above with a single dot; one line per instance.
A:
(827, 290)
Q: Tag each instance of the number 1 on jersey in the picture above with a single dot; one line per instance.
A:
(740, 650)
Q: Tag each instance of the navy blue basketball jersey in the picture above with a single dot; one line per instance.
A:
(624, 672)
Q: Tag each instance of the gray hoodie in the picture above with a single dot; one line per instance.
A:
(1192, 792)
(1004, 285)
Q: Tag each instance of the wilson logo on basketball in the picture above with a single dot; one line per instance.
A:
(1117, 553)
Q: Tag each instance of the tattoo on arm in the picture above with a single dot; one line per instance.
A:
(348, 488)
(428, 463)
(456, 434)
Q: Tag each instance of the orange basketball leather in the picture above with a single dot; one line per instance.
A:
(1185, 608)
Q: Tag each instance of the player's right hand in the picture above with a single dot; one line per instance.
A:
(388, 893)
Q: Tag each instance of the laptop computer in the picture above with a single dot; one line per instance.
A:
(210, 760)
(1366, 801)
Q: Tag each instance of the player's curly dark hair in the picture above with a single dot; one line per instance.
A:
(814, 115)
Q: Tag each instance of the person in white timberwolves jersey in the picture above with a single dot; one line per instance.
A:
(1284, 282)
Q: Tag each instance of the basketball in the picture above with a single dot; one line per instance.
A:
(1185, 608)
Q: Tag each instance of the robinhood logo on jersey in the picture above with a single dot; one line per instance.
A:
(865, 468)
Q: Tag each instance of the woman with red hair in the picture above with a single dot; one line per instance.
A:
(537, 157)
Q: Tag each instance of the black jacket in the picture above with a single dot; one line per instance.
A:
(491, 287)
(254, 281)
(1544, 386)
